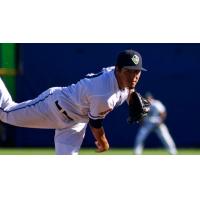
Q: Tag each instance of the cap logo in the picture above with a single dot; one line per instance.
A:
(135, 59)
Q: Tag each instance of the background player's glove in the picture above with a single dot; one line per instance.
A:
(138, 108)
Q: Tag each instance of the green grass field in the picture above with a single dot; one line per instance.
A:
(84, 151)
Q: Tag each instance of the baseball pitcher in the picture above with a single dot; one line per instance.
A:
(69, 109)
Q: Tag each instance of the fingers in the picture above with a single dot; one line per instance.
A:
(99, 147)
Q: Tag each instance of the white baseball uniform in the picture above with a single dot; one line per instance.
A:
(153, 122)
(66, 109)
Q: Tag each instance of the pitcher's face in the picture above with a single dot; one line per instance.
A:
(129, 77)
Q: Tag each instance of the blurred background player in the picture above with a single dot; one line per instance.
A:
(154, 122)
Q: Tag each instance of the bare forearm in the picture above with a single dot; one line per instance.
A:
(100, 137)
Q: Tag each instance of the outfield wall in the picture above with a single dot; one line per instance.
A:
(173, 77)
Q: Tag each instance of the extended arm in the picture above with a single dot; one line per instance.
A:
(99, 134)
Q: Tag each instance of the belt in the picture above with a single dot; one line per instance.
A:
(62, 110)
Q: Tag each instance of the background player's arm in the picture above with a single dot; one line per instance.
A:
(161, 111)
(99, 134)
(162, 116)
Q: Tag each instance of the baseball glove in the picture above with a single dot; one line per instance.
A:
(138, 108)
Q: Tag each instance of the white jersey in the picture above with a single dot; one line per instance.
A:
(66, 109)
(93, 97)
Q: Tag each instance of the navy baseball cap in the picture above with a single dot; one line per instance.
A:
(130, 59)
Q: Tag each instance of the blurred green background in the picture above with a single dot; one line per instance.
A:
(91, 151)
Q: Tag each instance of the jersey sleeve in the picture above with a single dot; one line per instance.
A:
(99, 108)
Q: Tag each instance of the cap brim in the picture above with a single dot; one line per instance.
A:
(135, 68)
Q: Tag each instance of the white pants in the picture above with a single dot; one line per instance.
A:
(162, 132)
(68, 141)
(42, 112)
